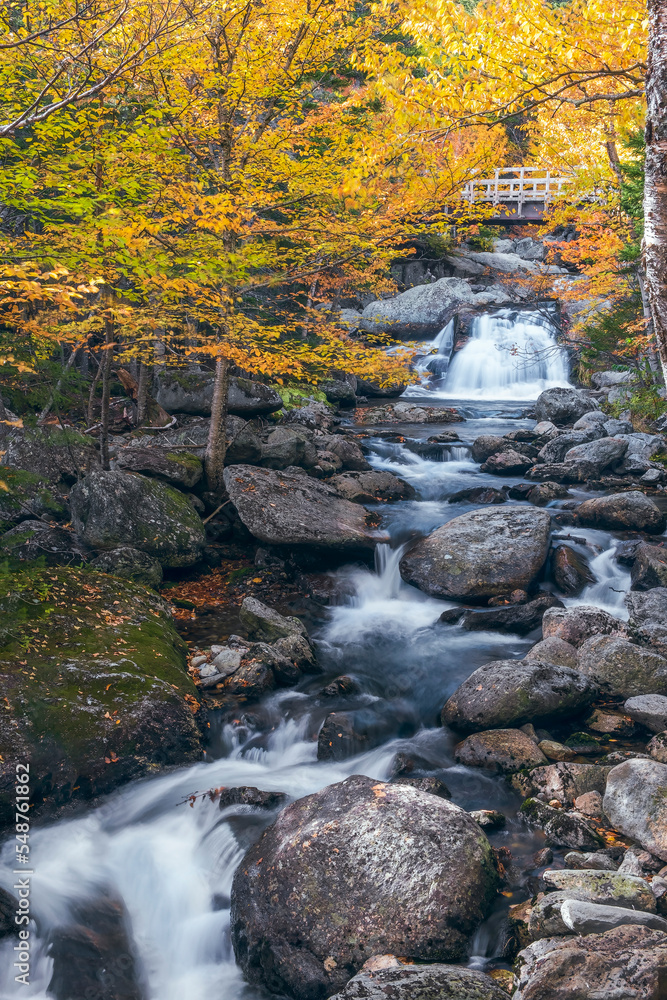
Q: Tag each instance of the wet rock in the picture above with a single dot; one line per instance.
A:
(422, 982)
(347, 450)
(339, 739)
(544, 493)
(480, 554)
(562, 829)
(253, 679)
(308, 909)
(339, 392)
(556, 449)
(93, 956)
(486, 445)
(649, 710)
(635, 803)
(429, 784)
(405, 765)
(285, 446)
(563, 781)
(571, 571)
(563, 406)
(625, 962)
(554, 650)
(118, 509)
(519, 619)
(506, 463)
(369, 487)
(488, 819)
(545, 429)
(603, 887)
(604, 720)
(575, 625)
(621, 667)
(406, 413)
(626, 552)
(649, 568)
(264, 624)
(598, 455)
(478, 495)
(53, 455)
(510, 692)
(54, 546)
(501, 750)
(366, 387)
(178, 468)
(592, 860)
(594, 918)
(340, 687)
(657, 747)
(130, 564)
(283, 508)
(556, 751)
(621, 512)
(247, 795)
(298, 650)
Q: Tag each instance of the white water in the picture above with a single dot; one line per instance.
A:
(509, 355)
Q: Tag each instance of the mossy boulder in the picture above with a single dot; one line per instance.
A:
(130, 564)
(52, 454)
(113, 509)
(36, 540)
(93, 684)
(178, 468)
(26, 496)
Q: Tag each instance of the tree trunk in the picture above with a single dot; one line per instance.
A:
(655, 188)
(145, 372)
(106, 379)
(217, 435)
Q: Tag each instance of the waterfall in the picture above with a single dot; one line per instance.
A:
(509, 354)
(436, 358)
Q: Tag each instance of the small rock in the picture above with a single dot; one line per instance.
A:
(419, 982)
(247, 795)
(543, 857)
(596, 861)
(265, 624)
(227, 661)
(658, 748)
(556, 751)
(340, 687)
(502, 750)
(605, 720)
(564, 781)
(575, 625)
(562, 829)
(589, 804)
(430, 784)
(593, 918)
(649, 710)
(488, 819)
(571, 571)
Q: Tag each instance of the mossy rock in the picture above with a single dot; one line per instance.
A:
(181, 469)
(94, 686)
(53, 455)
(25, 496)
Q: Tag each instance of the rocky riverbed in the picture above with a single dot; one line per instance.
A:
(418, 749)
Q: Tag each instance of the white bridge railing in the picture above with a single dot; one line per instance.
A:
(515, 187)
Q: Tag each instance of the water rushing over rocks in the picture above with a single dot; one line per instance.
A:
(167, 861)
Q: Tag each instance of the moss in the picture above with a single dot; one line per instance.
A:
(26, 494)
(295, 396)
(186, 459)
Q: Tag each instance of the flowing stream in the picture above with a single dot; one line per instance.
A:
(171, 863)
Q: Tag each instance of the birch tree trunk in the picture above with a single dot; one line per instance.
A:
(655, 188)
(217, 435)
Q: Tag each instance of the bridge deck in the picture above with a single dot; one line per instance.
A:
(520, 193)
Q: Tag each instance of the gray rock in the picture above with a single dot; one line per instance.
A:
(114, 509)
(564, 781)
(641, 450)
(226, 662)
(480, 554)
(488, 819)
(191, 391)
(622, 511)
(649, 710)
(593, 860)
(339, 392)
(506, 463)
(369, 487)
(571, 571)
(621, 667)
(635, 803)
(244, 444)
(130, 564)
(599, 454)
(594, 918)
(366, 387)
(486, 445)
(545, 920)
(608, 379)
(284, 508)
(53, 455)
(308, 909)
(553, 650)
(563, 406)
(592, 419)
(511, 692)
(53, 545)
(575, 625)
(657, 747)
(556, 449)
(424, 310)
(348, 452)
(502, 750)
(605, 887)
(545, 429)
(315, 416)
(649, 568)
(264, 624)
(422, 982)
(518, 618)
(177, 468)
(614, 427)
(648, 607)
(285, 446)
(561, 828)
(625, 963)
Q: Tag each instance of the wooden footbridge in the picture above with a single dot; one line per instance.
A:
(520, 194)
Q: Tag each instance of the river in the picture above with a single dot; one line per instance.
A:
(171, 863)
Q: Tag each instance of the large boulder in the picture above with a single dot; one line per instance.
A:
(563, 406)
(178, 468)
(597, 455)
(621, 667)
(611, 888)
(625, 963)
(31, 540)
(114, 509)
(480, 554)
(641, 450)
(649, 568)
(621, 512)
(358, 869)
(369, 487)
(635, 803)
(571, 571)
(191, 391)
(517, 618)
(512, 692)
(105, 697)
(285, 508)
(53, 455)
(130, 564)
(25, 496)
(575, 625)
(285, 446)
(420, 982)
(422, 311)
(557, 448)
